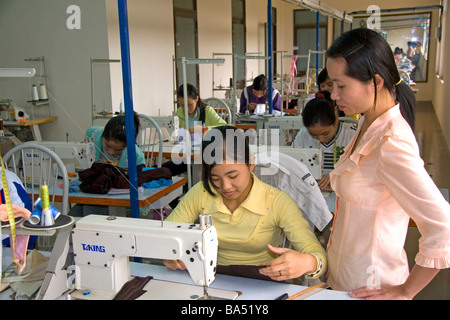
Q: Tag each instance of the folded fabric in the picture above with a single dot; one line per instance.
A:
(158, 183)
(246, 271)
(133, 288)
(74, 185)
(101, 177)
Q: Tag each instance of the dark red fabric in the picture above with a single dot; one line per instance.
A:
(101, 177)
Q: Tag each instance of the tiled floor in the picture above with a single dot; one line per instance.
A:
(436, 156)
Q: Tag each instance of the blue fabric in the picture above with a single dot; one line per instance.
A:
(156, 183)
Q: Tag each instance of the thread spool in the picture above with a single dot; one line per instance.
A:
(121, 108)
(47, 215)
(45, 199)
(47, 218)
(43, 92)
(34, 93)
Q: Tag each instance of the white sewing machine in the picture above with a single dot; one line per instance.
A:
(102, 246)
(311, 157)
(75, 155)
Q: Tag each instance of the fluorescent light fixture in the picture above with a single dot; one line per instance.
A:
(17, 72)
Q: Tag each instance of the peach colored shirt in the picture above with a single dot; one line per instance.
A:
(379, 187)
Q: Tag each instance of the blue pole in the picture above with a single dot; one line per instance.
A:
(317, 46)
(270, 53)
(128, 101)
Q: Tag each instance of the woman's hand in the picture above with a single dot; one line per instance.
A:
(174, 264)
(417, 280)
(289, 265)
(324, 183)
(383, 293)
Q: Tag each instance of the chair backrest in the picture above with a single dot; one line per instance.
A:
(221, 107)
(348, 119)
(150, 140)
(288, 174)
(37, 165)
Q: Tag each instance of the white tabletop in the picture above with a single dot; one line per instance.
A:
(251, 289)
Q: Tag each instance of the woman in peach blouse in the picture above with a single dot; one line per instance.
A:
(380, 181)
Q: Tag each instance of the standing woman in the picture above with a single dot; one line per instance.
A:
(380, 181)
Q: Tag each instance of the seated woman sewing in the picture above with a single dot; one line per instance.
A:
(250, 216)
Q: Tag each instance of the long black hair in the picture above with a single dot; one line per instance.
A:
(367, 53)
(192, 93)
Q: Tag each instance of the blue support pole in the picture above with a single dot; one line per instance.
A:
(270, 53)
(128, 101)
(317, 46)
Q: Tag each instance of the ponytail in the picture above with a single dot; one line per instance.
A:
(405, 97)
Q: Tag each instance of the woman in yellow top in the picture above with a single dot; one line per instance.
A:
(250, 216)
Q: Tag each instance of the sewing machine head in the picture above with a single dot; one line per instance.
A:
(75, 155)
(102, 247)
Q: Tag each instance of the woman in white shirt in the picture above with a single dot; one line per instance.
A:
(324, 130)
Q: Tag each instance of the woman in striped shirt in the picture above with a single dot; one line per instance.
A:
(322, 129)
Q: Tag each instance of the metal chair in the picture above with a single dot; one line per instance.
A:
(348, 119)
(36, 165)
(221, 107)
(149, 138)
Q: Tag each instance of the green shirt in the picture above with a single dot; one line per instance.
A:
(212, 119)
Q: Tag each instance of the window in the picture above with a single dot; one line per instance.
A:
(185, 22)
(408, 35)
(305, 38)
(239, 47)
(340, 26)
(440, 63)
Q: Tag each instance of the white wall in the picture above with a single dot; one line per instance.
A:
(151, 50)
(38, 28)
(214, 36)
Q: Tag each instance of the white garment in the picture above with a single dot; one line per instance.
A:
(298, 182)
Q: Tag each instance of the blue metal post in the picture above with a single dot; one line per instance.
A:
(317, 46)
(270, 53)
(128, 101)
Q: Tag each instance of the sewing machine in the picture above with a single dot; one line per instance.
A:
(75, 155)
(102, 246)
(283, 128)
(311, 157)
